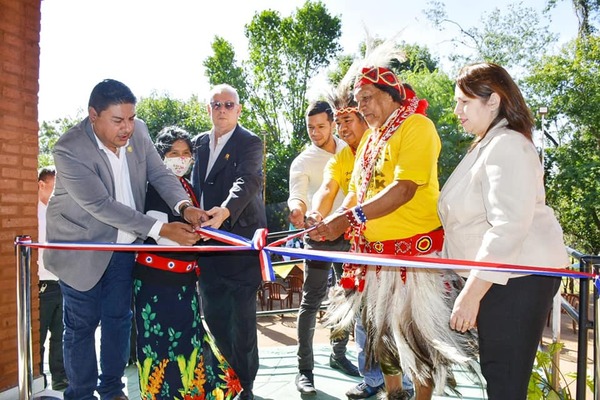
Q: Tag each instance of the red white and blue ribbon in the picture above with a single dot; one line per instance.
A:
(259, 243)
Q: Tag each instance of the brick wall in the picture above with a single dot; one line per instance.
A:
(19, 71)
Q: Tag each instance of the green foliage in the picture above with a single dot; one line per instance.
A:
(573, 191)
(223, 67)
(540, 384)
(512, 37)
(49, 133)
(567, 83)
(159, 111)
(284, 53)
(418, 58)
(587, 11)
(343, 64)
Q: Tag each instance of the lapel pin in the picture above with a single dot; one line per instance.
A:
(227, 156)
(129, 149)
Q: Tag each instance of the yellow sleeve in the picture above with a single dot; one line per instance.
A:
(418, 150)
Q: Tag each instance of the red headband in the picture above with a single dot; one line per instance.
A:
(346, 110)
(381, 75)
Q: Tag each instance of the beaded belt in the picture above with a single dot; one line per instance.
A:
(167, 264)
(417, 245)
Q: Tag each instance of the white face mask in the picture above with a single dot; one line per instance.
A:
(179, 165)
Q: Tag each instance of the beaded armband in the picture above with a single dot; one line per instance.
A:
(356, 216)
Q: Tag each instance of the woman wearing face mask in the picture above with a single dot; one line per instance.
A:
(176, 355)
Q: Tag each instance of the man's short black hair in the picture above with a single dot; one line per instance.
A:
(46, 172)
(110, 92)
(318, 107)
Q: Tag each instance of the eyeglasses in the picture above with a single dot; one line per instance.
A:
(218, 104)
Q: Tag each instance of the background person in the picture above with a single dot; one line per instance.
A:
(493, 209)
(51, 308)
(306, 176)
(171, 339)
(103, 165)
(227, 180)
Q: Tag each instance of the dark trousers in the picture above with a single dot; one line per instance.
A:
(511, 323)
(108, 303)
(230, 312)
(51, 314)
(314, 291)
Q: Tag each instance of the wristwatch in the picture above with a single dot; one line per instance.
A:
(183, 207)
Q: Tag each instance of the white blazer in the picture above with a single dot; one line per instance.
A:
(493, 208)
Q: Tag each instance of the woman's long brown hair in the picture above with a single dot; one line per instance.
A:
(482, 79)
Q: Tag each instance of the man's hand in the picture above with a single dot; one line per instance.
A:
(331, 228)
(179, 232)
(195, 216)
(297, 218)
(313, 218)
(217, 215)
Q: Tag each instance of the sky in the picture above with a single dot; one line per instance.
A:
(158, 46)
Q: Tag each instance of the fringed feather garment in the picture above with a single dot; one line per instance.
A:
(407, 323)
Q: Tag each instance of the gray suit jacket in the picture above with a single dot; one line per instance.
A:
(83, 207)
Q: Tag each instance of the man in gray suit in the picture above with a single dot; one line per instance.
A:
(103, 165)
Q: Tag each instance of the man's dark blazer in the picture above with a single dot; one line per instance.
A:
(235, 181)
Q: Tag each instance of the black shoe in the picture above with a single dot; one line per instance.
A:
(60, 384)
(363, 391)
(244, 395)
(344, 365)
(305, 382)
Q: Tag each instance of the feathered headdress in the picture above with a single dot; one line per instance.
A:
(341, 98)
(375, 66)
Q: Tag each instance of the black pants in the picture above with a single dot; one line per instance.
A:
(230, 312)
(51, 314)
(511, 323)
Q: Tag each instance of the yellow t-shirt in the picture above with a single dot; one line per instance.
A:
(410, 154)
(339, 167)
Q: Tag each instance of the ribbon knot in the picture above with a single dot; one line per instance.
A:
(259, 241)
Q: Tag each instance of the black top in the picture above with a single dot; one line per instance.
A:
(155, 203)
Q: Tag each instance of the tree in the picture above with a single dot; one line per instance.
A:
(586, 11)
(513, 38)
(567, 83)
(50, 132)
(418, 58)
(158, 111)
(284, 53)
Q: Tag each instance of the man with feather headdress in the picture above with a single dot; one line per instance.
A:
(350, 126)
(391, 208)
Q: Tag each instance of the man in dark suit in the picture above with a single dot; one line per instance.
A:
(103, 165)
(227, 178)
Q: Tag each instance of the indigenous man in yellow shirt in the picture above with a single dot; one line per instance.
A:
(391, 208)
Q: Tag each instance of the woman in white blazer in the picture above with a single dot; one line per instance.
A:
(493, 209)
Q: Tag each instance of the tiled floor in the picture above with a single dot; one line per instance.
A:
(278, 368)
(277, 346)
